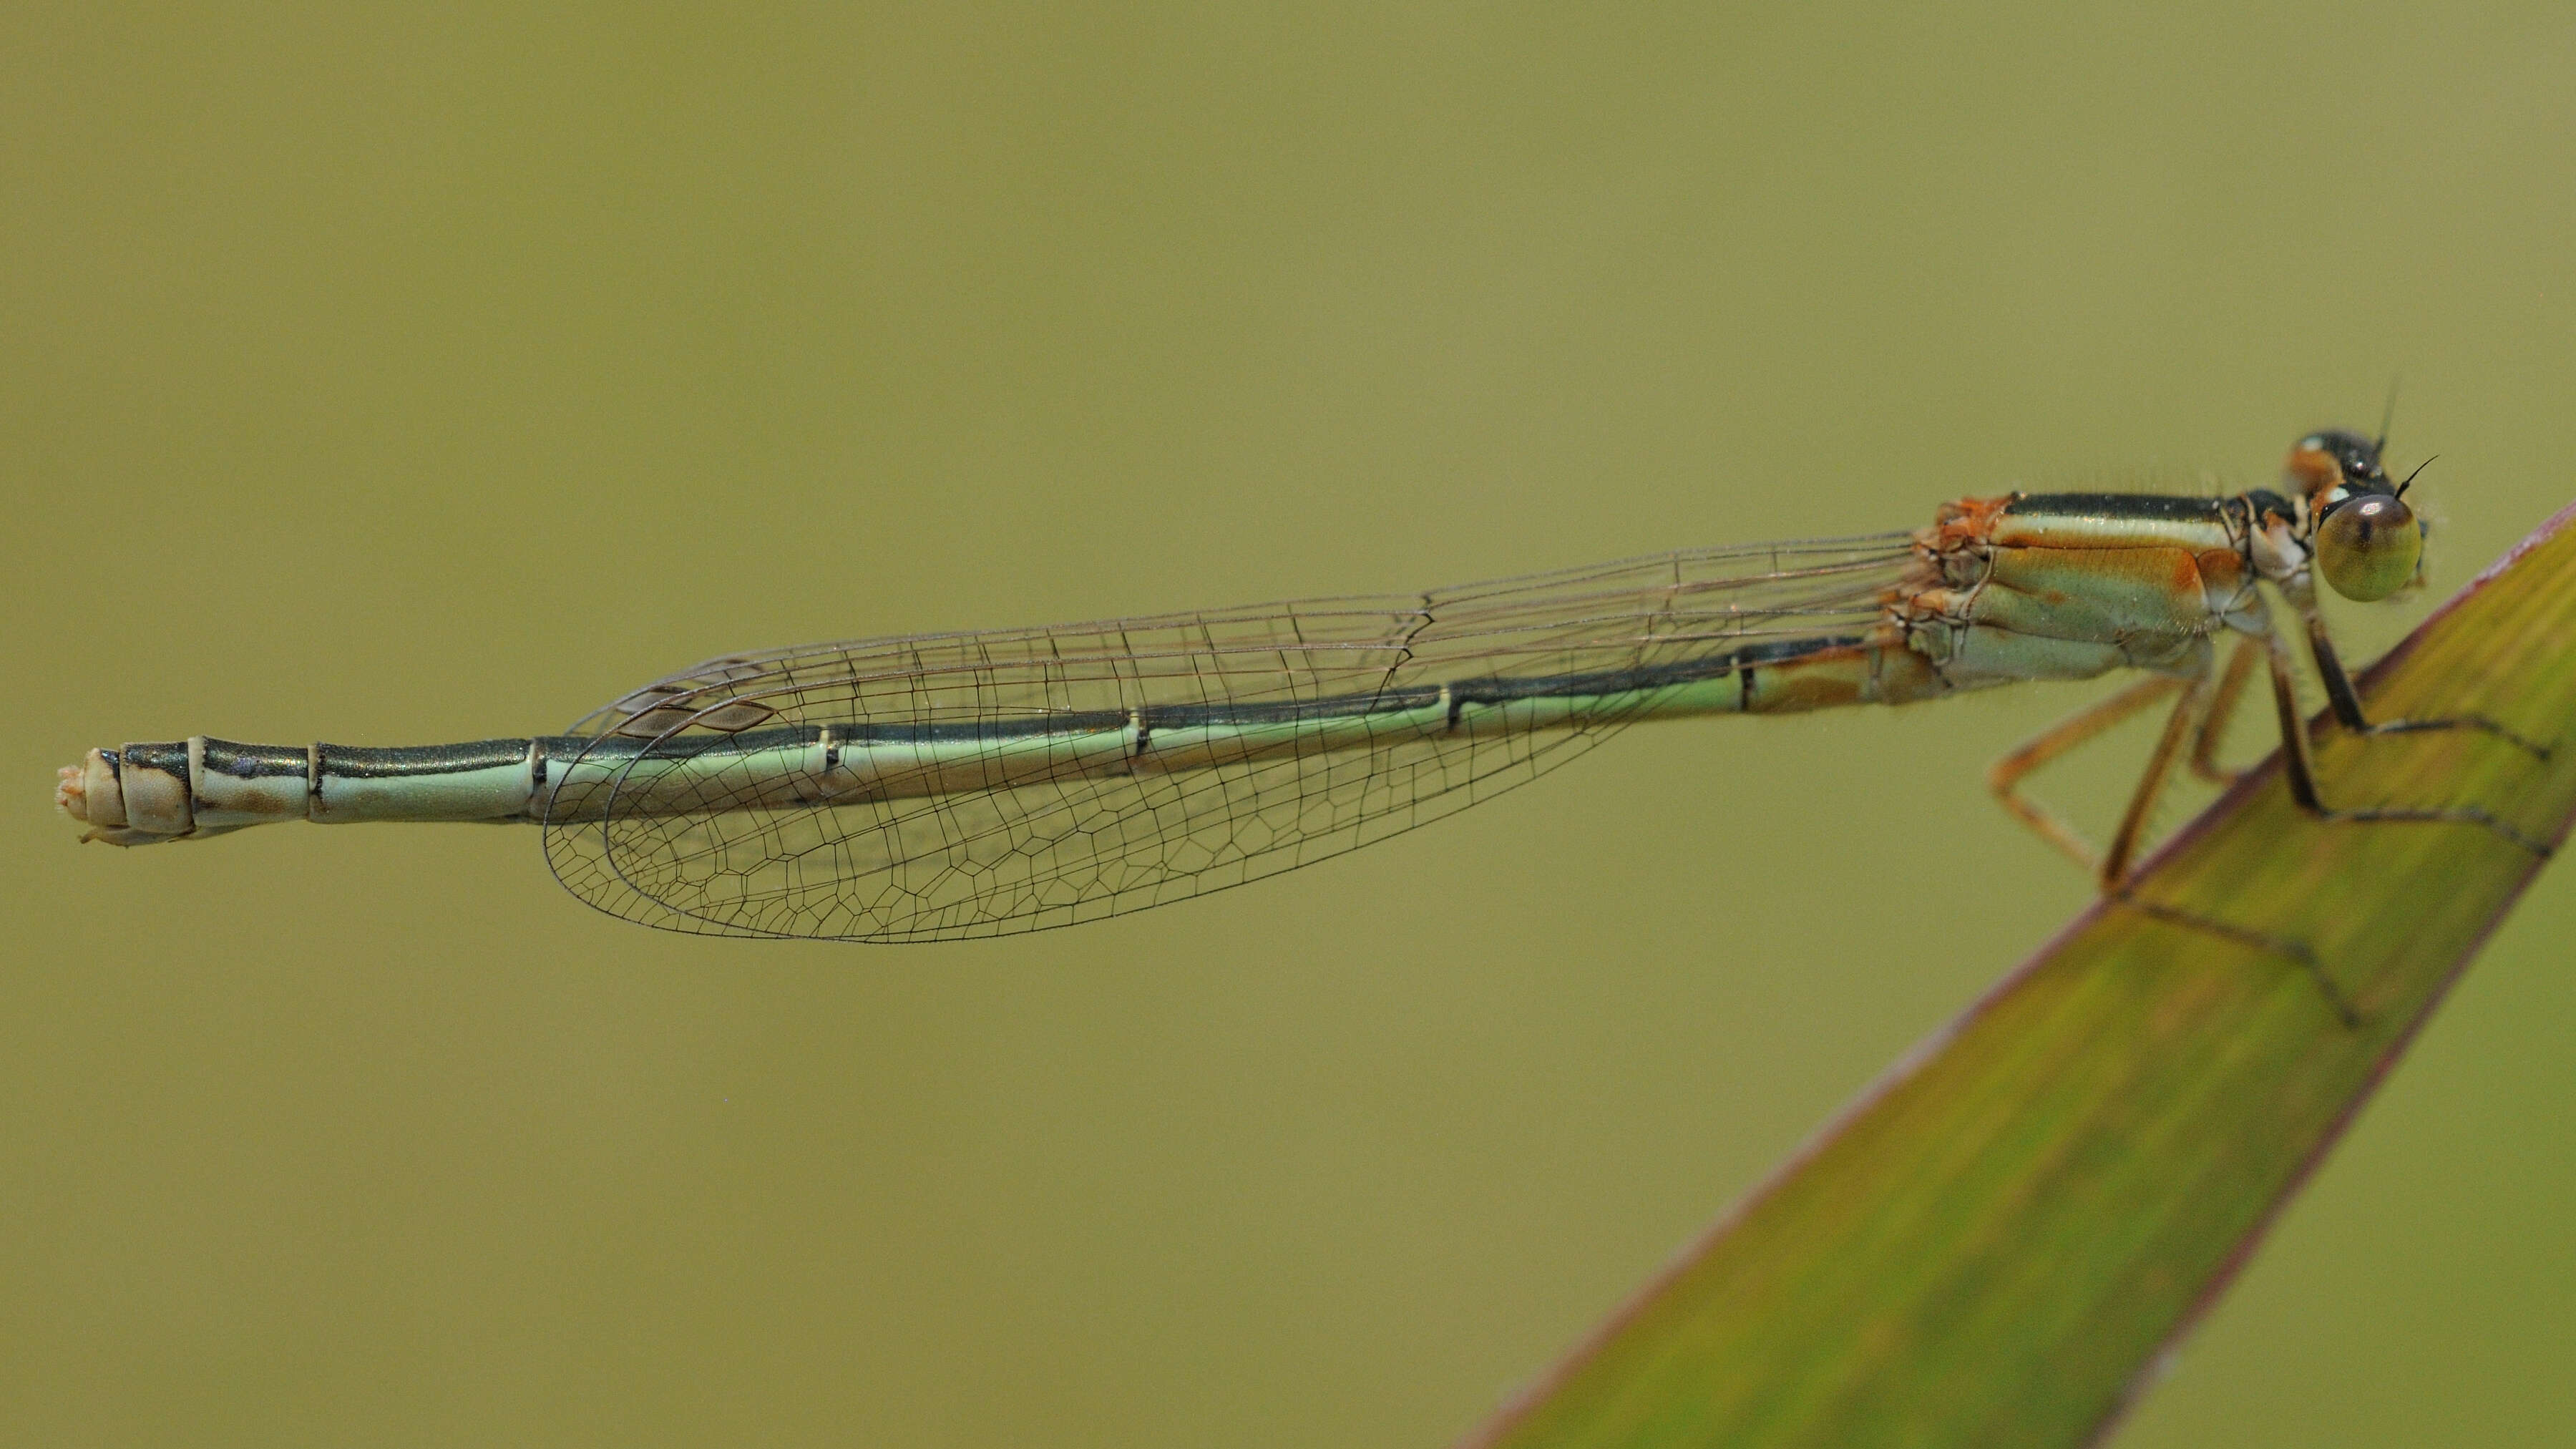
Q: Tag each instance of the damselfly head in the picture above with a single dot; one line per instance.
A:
(2369, 544)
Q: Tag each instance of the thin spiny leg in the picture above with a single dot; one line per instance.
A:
(2222, 709)
(2151, 783)
(2179, 727)
(2294, 752)
(2346, 702)
(2298, 754)
(2298, 760)
(2006, 775)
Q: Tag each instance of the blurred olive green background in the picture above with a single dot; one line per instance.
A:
(396, 380)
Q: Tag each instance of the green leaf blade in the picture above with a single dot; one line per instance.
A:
(1996, 1243)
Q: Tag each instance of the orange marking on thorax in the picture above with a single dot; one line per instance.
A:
(2186, 575)
(1966, 521)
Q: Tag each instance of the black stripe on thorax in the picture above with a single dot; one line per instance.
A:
(2142, 507)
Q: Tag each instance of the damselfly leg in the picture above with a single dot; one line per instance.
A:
(2199, 715)
(2201, 712)
(2298, 752)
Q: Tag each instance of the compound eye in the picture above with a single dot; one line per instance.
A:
(2368, 547)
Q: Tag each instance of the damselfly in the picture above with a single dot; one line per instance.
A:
(975, 784)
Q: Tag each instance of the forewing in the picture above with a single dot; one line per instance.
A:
(1080, 846)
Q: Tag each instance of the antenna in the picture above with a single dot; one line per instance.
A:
(2410, 478)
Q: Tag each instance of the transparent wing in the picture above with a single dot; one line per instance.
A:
(1029, 855)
